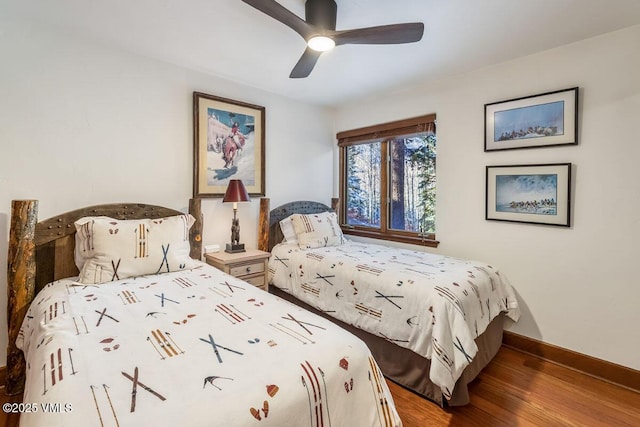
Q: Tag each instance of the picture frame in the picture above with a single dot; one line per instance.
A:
(534, 194)
(544, 120)
(229, 143)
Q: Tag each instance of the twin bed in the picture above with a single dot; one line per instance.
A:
(432, 322)
(120, 326)
(109, 343)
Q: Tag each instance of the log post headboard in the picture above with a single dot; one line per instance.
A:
(21, 279)
(269, 233)
(41, 252)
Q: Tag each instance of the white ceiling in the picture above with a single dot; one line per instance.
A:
(230, 39)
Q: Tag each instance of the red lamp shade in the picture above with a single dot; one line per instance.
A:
(236, 192)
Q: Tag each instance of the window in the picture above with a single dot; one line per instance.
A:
(387, 181)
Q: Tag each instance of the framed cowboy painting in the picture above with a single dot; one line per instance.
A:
(229, 138)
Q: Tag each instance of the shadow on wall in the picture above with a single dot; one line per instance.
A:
(4, 226)
(4, 246)
(532, 331)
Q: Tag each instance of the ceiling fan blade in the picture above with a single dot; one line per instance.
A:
(305, 64)
(384, 34)
(282, 14)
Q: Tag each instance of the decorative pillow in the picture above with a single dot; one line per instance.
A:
(116, 249)
(317, 230)
(80, 256)
(289, 233)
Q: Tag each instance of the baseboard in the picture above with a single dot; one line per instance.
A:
(607, 371)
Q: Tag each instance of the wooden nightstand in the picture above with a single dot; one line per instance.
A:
(251, 265)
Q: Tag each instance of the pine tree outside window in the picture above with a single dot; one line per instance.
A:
(387, 181)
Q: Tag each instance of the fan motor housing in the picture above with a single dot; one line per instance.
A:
(321, 13)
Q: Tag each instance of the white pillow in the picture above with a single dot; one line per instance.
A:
(80, 256)
(116, 249)
(289, 233)
(317, 230)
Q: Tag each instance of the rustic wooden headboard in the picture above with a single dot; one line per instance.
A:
(41, 252)
(269, 233)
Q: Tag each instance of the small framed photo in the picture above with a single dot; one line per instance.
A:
(535, 194)
(228, 144)
(544, 120)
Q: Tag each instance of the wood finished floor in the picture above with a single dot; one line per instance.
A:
(516, 389)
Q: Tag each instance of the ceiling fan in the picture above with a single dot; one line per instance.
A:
(319, 30)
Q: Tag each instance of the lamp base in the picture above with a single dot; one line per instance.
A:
(232, 249)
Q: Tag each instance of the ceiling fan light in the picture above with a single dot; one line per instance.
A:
(321, 43)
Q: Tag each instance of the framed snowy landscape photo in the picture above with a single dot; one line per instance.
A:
(229, 141)
(535, 194)
(544, 120)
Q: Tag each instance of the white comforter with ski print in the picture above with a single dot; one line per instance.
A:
(431, 304)
(196, 348)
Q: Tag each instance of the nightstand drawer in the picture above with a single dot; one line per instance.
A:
(250, 265)
(246, 269)
(258, 281)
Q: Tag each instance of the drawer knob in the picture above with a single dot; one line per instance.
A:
(248, 269)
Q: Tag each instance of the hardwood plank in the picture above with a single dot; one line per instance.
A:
(591, 387)
(521, 389)
(579, 397)
(599, 368)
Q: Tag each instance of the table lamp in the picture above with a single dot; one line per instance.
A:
(235, 193)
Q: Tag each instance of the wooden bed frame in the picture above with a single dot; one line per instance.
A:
(41, 252)
(399, 364)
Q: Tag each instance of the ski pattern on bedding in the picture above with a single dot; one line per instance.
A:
(197, 348)
(431, 304)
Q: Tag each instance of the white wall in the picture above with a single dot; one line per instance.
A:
(579, 287)
(83, 124)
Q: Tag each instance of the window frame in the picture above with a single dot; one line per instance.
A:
(384, 133)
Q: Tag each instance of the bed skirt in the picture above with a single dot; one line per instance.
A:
(411, 370)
